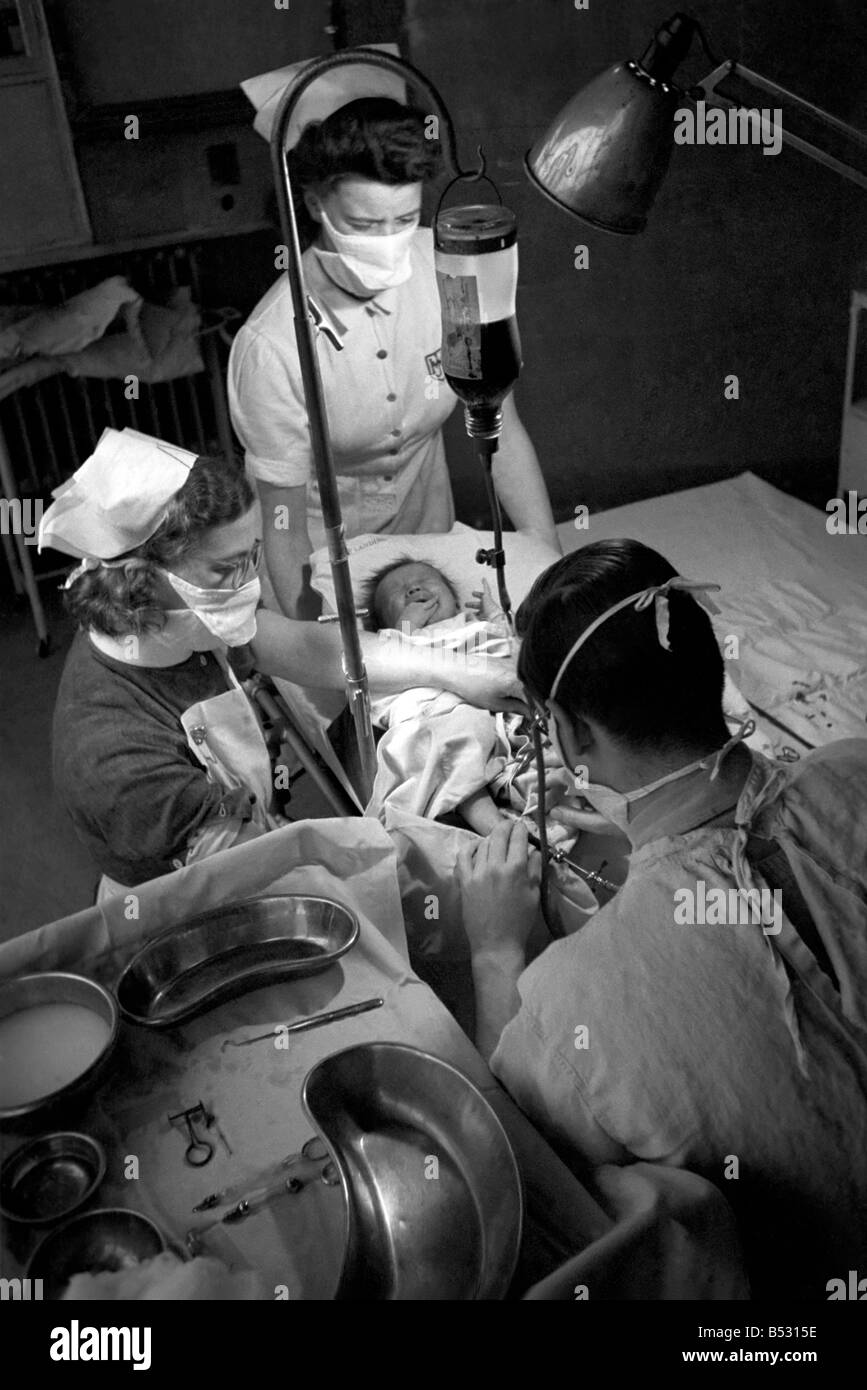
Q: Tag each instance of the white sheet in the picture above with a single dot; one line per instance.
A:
(793, 594)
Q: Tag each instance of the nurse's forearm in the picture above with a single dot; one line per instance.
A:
(288, 562)
(519, 482)
(287, 549)
(521, 489)
(310, 654)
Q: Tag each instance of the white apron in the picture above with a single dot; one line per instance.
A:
(226, 737)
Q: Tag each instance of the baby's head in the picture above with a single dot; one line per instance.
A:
(410, 593)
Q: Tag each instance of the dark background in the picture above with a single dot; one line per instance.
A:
(746, 267)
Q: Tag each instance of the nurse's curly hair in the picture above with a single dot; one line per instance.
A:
(622, 678)
(121, 600)
(373, 137)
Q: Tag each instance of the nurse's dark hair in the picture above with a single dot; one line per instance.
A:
(119, 601)
(623, 678)
(374, 137)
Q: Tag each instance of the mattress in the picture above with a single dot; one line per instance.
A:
(793, 593)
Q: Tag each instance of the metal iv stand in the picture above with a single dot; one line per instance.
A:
(353, 660)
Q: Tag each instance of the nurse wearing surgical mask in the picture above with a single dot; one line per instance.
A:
(716, 1006)
(159, 756)
(359, 167)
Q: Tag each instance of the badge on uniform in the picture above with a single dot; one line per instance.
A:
(434, 363)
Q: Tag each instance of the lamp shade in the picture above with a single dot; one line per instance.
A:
(605, 155)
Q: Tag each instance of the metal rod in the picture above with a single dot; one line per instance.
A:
(91, 424)
(354, 669)
(279, 715)
(36, 480)
(9, 489)
(708, 85)
(301, 1026)
(496, 556)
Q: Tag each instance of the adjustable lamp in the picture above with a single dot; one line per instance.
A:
(605, 155)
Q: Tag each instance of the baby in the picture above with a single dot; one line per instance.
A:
(408, 595)
(413, 597)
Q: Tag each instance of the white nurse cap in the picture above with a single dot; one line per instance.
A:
(324, 96)
(117, 498)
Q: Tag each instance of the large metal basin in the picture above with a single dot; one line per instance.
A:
(431, 1182)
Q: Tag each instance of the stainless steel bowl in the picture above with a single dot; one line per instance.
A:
(225, 952)
(58, 987)
(432, 1186)
(95, 1241)
(51, 1177)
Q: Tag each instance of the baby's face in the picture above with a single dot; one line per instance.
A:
(415, 594)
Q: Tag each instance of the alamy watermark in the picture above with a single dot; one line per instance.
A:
(847, 516)
(19, 518)
(737, 125)
(729, 907)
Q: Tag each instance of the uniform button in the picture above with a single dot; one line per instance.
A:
(391, 396)
(396, 434)
(203, 661)
(382, 353)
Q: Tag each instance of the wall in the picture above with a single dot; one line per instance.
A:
(746, 266)
(145, 49)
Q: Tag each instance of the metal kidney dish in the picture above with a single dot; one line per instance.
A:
(225, 952)
(414, 1233)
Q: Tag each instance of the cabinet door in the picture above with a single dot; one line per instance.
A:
(41, 203)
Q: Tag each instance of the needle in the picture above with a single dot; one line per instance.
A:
(315, 1021)
(562, 858)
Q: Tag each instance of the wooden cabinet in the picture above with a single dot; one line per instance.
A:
(41, 202)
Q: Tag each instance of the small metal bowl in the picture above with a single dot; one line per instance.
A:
(58, 987)
(49, 1178)
(91, 1243)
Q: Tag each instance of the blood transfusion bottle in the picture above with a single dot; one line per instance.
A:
(476, 261)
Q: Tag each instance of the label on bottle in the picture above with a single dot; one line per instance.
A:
(462, 330)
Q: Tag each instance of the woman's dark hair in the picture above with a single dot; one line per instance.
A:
(119, 601)
(374, 137)
(623, 678)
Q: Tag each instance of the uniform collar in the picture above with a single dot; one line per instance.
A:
(333, 310)
(692, 801)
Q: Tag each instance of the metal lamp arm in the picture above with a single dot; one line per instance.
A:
(708, 87)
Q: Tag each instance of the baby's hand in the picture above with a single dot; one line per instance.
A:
(485, 606)
(559, 834)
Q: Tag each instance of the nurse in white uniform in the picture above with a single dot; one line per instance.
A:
(360, 166)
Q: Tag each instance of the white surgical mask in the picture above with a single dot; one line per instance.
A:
(363, 264)
(229, 614)
(612, 806)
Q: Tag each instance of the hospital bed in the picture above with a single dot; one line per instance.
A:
(792, 595)
(792, 620)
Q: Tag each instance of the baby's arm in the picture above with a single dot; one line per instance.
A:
(480, 812)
